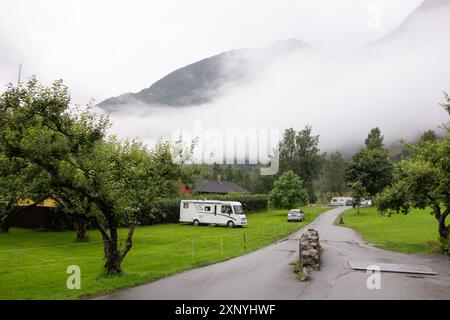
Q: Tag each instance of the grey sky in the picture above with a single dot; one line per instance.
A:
(103, 48)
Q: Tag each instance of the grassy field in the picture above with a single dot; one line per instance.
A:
(405, 233)
(33, 264)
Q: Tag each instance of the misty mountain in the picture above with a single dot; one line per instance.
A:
(199, 82)
(202, 81)
(395, 84)
(431, 18)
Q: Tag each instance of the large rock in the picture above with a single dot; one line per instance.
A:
(309, 250)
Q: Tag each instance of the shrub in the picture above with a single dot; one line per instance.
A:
(445, 245)
(288, 192)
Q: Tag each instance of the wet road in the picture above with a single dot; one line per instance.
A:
(267, 273)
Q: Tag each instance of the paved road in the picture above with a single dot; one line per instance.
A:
(267, 273)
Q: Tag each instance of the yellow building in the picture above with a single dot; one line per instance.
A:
(48, 202)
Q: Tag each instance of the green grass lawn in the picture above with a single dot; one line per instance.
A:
(405, 233)
(33, 264)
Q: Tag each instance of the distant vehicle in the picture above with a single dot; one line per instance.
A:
(341, 201)
(367, 202)
(296, 215)
(197, 212)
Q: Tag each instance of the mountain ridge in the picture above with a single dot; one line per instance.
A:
(424, 8)
(197, 83)
(200, 82)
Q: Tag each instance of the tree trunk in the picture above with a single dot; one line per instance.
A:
(444, 230)
(112, 256)
(4, 225)
(6, 217)
(80, 225)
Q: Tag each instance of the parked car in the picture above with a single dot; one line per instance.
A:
(341, 201)
(296, 215)
(365, 202)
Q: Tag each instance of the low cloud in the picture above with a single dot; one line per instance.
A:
(395, 84)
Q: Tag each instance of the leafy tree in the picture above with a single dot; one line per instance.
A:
(259, 184)
(114, 180)
(217, 170)
(229, 174)
(429, 135)
(423, 181)
(125, 179)
(359, 193)
(288, 192)
(300, 153)
(189, 170)
(333, 174)
(371, 166)
(446, 103)
(374, 140)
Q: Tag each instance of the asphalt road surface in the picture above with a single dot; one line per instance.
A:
(267, 273)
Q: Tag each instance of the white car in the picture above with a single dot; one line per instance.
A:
(367, 202)
(296, 215)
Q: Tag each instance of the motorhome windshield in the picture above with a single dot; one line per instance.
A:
(238, 210)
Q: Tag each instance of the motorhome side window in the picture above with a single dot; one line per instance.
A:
(186, 205)
(227, 209)
(207, 208)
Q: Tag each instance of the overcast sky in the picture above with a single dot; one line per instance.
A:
(103, 48)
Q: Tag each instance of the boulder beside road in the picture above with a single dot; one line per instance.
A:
(309, 253)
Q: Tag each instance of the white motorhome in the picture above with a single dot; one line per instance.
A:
(228, 213)
(341, 201)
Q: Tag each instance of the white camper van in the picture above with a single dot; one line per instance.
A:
(341, 201)
(228, 213)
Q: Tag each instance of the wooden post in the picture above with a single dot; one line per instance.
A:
(245, 245)
(192, 252)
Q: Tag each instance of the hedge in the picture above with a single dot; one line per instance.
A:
(163, 211)
(168, 210)
(251, 203)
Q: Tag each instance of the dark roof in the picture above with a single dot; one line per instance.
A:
(223, 187)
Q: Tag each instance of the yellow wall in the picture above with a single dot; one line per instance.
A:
(49, 202)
